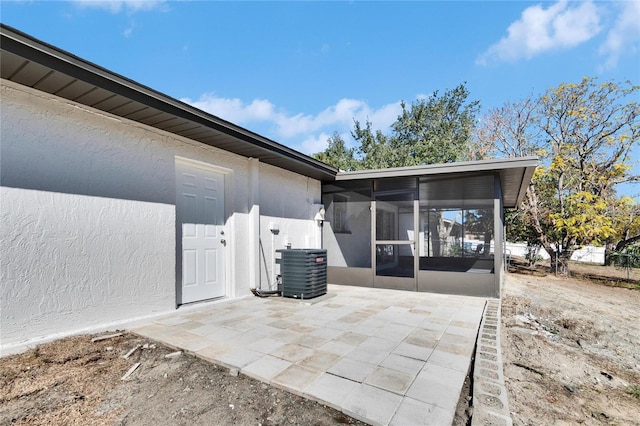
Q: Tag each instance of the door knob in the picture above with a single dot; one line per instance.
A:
(223, 242)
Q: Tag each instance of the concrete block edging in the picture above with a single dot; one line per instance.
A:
(490, 402)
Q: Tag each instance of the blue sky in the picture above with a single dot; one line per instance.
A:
(298, 71)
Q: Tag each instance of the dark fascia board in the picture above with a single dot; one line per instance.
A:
(526, 166)
(438, 169)
(23, 45)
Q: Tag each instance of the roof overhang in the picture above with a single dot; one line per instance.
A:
(515, 174)
(33, 63)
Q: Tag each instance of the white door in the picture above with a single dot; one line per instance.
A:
(200, 220)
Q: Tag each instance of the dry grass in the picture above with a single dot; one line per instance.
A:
(597, 274)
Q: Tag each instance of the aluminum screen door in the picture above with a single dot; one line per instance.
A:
(394, 219)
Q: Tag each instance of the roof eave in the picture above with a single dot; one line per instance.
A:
(525, 167)
(23, 45)
(437, 169)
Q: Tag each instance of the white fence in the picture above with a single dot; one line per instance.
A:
(587, 254)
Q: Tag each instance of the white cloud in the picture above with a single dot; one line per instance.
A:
(309, 132)
(127, 6)
(540, 30)
(624, 36)
(314, 143)
(117, 6)
(234, 109)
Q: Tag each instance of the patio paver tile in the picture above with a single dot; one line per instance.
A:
(377, 344)
(432, 391)
(413, 351)
(286, 336)
(388, 379)
(304, 329)
(214, 331)
(244, 325)
(295, 379)
(213, 352)
(239, 358)
(351, 338)
(444, 376)
(153, 331)
(354, 370)
(422, 337)
(281, 324)
(185, 340)
(372, 405)
(292, 352)
(338, 348)
(455, 349)
(409, 319)
(170, 321)
(381, 356)
(367, 355)
(187, 326)
(462, 331)
(309, 341)
(327, 333)
(457, 340)
(319, 361)
(265, 345)
(450, 360)
(403, 363)
(394, 332)
(414, 412)
(266, 368)
(245, 338)
(331, 390)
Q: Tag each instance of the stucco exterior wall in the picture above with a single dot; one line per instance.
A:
(87, 231)
(288, 204)
(70, 262)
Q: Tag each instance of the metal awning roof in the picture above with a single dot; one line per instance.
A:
(33, 63)
(515, 174)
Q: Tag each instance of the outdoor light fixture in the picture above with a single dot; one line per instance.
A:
(320, 216)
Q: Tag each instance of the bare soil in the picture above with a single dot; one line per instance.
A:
(75, 381)
(571, 352)
(571, 346)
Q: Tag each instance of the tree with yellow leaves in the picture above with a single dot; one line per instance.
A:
(584, 135)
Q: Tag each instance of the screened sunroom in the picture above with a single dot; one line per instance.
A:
(435, 228)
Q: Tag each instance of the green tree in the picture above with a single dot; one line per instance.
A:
(584, 134)
(374, 151)
(436, 129)
(337, 154)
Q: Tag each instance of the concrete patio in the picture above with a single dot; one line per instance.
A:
(385, 357)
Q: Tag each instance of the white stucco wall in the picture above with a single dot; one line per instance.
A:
(289, 202)
(70, 262)
(87, 231)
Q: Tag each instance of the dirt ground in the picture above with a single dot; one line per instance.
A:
(571, 346)
(75, 381)
(570, 350)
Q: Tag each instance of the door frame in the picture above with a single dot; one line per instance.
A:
(229, 260)
(394, 282)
